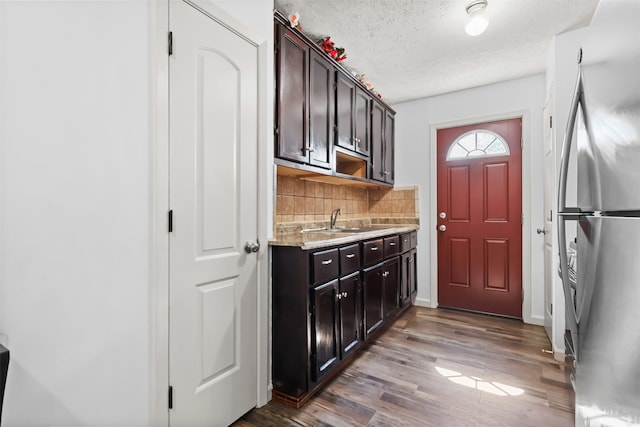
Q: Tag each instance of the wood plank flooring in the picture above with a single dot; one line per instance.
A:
(437, 367)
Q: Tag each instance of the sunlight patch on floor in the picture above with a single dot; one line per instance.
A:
(478, 383)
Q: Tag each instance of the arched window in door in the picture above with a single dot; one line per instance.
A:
(478, 143)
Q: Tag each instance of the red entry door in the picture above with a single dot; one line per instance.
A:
(479, 217)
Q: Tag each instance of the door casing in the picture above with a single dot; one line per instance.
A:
(158, 314)
(526, 204)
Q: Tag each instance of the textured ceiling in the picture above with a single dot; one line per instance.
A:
(411, 49)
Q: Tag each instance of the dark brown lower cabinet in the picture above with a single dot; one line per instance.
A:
(391, 282)
(326, 307)
(325, 352)
(372, 296)
(349, 302)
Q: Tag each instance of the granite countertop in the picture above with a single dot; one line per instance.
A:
(317, 239)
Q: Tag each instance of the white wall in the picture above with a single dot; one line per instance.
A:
(415, 122)
(74, 219)
(76, 153)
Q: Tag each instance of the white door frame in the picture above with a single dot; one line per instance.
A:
(526, 202)
(159, 204)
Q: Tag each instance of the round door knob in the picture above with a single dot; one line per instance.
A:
(250, 247)
(442, 227)
(443, 215)
(541, 231)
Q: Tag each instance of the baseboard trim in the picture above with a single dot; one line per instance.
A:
(421, 302)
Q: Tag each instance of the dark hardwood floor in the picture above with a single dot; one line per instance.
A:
(438, 367)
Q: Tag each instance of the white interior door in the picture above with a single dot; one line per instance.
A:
(213, 197)
(549, 196)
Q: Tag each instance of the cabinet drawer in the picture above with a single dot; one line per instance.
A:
(372, 251)
(414, 239)
(391, 246)
(405, 242)
(349, 259)
(325, 265)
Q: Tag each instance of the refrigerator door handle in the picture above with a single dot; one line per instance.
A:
(578, 98)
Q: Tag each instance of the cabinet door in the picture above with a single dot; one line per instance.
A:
(349, 297)
(321, 111)
(324, 339)
(293, 59)
(372, 298)
(388, 168)
(345, 97)
(391, 285)
(361, 121)
(405, 289)
(377, 146)
(413, 274)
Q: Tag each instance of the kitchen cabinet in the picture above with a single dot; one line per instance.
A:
(382, 144)
(325, 352)
(352, 115)
(326, 122)
(380, 281)
(408, 268)
(305, 102)
(327, 304)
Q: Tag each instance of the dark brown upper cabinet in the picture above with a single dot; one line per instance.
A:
(326, 122)
(352, 115)
(305, 104)
(382, 144)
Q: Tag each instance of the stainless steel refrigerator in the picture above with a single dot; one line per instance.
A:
(602, 294)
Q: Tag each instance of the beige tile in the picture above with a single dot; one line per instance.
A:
(386, 207)
(319, 206)
(299, 206)
(386, 194)
(279, 205)
(410, 194)
(327, 206)
(309, 217)
(298, 187)
(374, 207)
(288, 187)
(278, 219)
(339, 192)
(410, 207)
(286, 218)
(309, 205)
(309, 189)
(288, 205)
(298, 218)
(374, 194)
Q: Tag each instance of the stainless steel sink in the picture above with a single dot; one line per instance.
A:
(341, 230)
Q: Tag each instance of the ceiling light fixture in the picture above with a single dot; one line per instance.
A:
(478, 23)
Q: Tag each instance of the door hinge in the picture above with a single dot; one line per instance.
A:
(170, 43)
(170, 221)
(550, 121)
(170, 397)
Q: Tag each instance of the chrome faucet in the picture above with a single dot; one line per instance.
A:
(334, 217)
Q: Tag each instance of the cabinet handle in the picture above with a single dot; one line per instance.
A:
(306, 150)
(385, 274)
(327, 262)
(350, 255)
(392, 243)
(410, 260)
(339, 296)
(344, 295)
(375, 248)
(385, 173)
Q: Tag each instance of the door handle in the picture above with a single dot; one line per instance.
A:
(442, 227)
(442, 215)
(541, 231)
(250, 247)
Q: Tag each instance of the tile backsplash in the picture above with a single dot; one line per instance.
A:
(300, 200)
